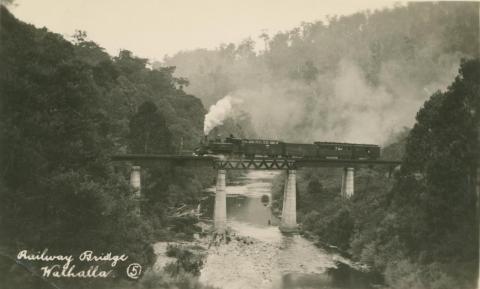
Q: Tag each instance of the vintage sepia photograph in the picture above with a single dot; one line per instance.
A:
(227, 144)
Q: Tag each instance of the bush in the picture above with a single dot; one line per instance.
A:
(187, 261)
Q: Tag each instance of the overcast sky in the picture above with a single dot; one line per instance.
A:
(153, 28)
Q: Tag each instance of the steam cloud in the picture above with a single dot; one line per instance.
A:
(342, 106)
(219, 112)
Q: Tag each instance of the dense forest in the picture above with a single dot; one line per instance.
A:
(356, 78)
(65, 108)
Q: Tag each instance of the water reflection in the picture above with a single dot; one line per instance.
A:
(250, 210)
(341, 276)
(265, 200)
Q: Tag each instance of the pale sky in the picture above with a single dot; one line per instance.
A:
(153, 28)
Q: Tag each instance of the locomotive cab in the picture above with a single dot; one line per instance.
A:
(215, 147)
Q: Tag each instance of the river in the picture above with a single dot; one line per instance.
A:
(260, 256)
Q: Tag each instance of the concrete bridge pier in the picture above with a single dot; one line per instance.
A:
(289, 210)
(348, 183)
(136, 184)
(135, 181)
(220, 212)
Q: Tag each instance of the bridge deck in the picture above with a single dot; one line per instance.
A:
(260, 163)
(159, 157)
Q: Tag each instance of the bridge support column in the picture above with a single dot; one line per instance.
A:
(220, 213)
(135, 181)
(289, 210)
(348, 183)
(136, 184)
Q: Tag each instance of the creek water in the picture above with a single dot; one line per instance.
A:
(260, 256)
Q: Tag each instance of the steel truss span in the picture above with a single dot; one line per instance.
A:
(255, 164)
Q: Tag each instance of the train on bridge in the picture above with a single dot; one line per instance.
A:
(251, 148)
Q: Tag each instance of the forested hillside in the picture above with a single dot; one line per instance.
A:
(65, 108)
(420, 228)
(351, 78)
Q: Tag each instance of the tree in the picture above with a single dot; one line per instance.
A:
(433, 211)
(65, 108)
(148, 131)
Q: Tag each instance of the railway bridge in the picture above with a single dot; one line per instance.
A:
(289, 214)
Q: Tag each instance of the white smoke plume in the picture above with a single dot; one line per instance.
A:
(219, 112)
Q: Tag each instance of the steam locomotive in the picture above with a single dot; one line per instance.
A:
(250, 148)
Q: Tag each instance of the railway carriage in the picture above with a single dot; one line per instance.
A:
(258, 147)
(335, 150)
(299, 150)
